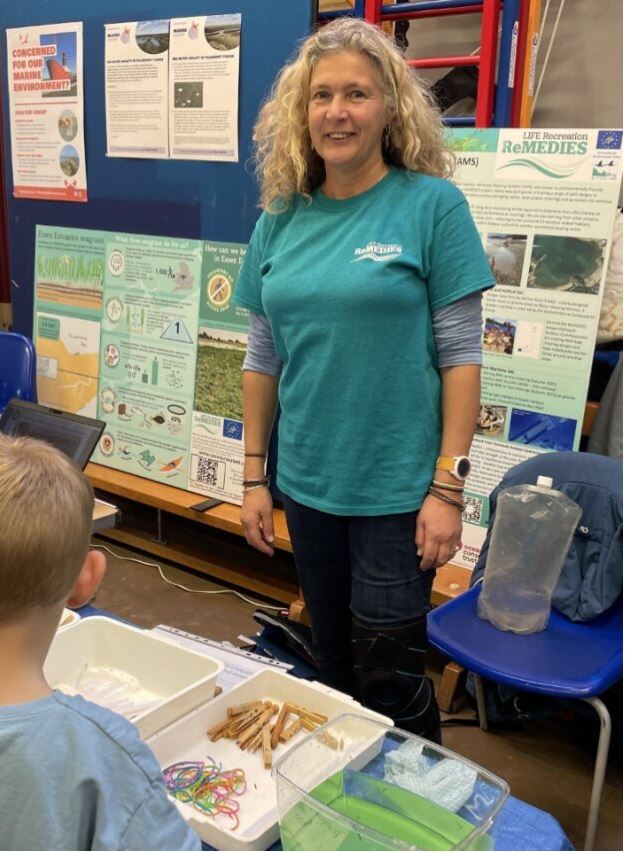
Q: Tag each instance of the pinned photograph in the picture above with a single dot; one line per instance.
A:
(546, 431)
(153, 36)
(506, 254)
(189, 95)
(499, 336)
(223, 36)
(569, 264)
(491, 420)
(62, 66)
(218, 378)
(68, 125)
(69, 160)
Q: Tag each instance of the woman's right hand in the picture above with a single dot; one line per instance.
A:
(257, 519)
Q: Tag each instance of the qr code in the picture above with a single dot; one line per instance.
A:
(472, 510)
(207, 471)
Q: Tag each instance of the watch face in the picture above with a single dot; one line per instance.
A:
(463, 467)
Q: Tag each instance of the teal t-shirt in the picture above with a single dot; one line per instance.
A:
(349, 287)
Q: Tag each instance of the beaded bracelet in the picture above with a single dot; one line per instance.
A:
(459, 504)
(447, 486)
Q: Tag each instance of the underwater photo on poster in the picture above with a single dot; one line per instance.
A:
(545, 431)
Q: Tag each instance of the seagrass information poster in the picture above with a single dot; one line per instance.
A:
(216, 462)
(69, 270)
(147, 355)
(545, 204)
(141, 332)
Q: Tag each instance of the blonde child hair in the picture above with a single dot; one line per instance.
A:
(46, 507)
(286, 163)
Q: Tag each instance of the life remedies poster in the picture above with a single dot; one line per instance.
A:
(544, 202)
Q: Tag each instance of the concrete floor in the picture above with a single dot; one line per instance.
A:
(539, 762)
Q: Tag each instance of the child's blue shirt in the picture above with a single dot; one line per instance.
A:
(77, 776)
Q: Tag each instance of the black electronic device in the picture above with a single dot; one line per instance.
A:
(203, 505)
(72, 434)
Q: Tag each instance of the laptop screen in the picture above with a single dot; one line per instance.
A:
(72, 434)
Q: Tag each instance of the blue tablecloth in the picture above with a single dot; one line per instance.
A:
(522, 826)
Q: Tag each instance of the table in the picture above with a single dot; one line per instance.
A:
(105, 516)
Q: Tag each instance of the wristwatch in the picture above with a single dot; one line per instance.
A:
(458, 466)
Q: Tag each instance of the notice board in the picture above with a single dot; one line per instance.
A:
(172, 198)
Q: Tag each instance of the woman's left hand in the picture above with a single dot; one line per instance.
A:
(439, 532)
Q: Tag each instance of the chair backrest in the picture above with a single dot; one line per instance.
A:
(592, 576)
(17, 368)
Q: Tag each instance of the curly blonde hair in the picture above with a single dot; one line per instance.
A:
(286, 163)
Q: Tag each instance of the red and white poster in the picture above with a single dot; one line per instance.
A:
(45, 69)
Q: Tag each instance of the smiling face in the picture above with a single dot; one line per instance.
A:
(346, 117)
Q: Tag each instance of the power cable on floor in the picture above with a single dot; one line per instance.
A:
(185, 588)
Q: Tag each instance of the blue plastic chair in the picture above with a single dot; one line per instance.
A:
(17, 369)
(566, 660)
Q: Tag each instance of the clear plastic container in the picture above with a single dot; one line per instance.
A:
(356, 783)
(532, 533)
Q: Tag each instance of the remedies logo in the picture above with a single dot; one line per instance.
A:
(546, 155)
(379, 252)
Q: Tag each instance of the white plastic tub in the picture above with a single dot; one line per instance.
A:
(168, 680)
(187, 739)
(68, 617)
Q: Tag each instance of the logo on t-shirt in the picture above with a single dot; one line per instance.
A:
(379, 252)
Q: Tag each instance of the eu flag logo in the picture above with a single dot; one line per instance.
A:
(609, 139)
(233, 429)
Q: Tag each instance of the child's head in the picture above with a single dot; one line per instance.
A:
(46, 507)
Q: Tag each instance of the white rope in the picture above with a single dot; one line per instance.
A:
(543, 22)
(184, 588)
(547, 55)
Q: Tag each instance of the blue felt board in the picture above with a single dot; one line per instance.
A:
(196, 199)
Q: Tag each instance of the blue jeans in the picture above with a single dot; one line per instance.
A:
(365, 568)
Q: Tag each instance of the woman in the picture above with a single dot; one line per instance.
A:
(363, 279)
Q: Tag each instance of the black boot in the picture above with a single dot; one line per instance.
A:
(389, 664)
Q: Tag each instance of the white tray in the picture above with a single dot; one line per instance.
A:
(68, 617)
(186, 739)
(180, 679)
